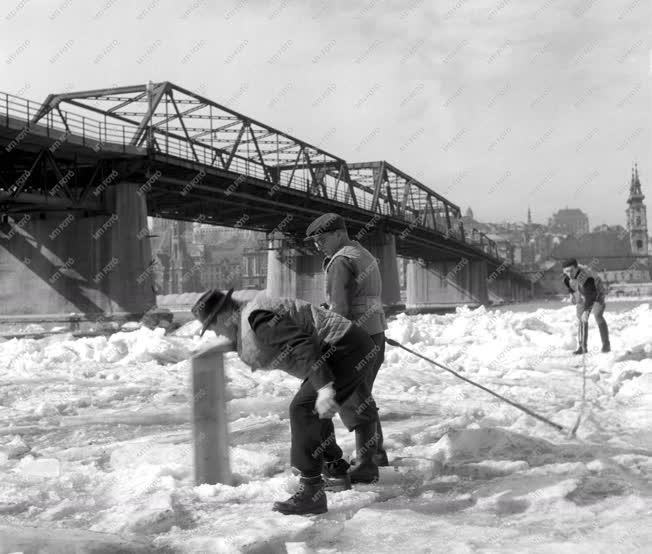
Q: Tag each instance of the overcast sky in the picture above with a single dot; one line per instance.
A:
(497, 104)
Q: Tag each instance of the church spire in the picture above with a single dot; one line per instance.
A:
(637, 217)
(635, 191)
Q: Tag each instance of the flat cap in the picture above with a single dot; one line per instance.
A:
(569, 262)
(211, 303)
(324, 224)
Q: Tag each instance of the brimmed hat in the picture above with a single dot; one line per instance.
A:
(211, 303)
(569, 263)
(324, 224)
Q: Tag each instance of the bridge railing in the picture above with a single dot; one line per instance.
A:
(95, 133)
(170, 146)
(91, 131)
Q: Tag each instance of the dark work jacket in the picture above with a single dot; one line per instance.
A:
(588, 285)
(291, 335)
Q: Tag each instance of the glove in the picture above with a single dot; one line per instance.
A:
(584, 317)
(325, 404)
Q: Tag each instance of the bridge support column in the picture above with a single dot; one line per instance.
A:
(437, 285)
(477, 277)
(446, 284)
(510, 290)
(501, 289)
(63, 263)
(383, 247)
(295, 274)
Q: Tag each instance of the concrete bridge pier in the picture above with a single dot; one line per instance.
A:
(510, 289)
(446, 284)
(64, 262)
(383, 247)
(295, 273)
(523, 291)
(431, 285)
(501, 289)
(476, 271)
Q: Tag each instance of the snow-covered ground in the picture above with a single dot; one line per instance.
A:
(97, 455)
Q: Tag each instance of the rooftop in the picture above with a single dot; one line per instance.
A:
(594, 245)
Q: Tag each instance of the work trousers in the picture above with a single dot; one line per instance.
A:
(583, 328)
(363, 397)
(352, 361)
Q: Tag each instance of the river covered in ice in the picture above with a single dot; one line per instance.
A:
(95, 445)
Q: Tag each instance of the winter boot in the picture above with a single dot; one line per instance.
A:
(604, 336)
(381, 455)
(309, 499)
(366, 470)
(336, 476)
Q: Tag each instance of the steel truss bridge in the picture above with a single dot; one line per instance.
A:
(201, 161)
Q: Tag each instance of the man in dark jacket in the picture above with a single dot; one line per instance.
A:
(323, 349)
(353, 288)
(588, 292)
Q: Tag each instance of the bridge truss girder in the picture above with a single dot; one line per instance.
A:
(167, 122)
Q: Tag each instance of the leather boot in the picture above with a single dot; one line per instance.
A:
(309, 499)
(336, 475)
(366, 438)
(604, 336)
(381, 454)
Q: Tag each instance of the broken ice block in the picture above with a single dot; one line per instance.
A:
(39, 467)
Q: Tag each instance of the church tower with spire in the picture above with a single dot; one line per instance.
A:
(636, 216)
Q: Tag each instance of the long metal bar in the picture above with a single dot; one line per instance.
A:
(126, 101)
(262, 160)
(211, 131)
(192, 146)
(46, 200)
(378, 181)
(101, 112)
(30, 171)
(171, 117)
(235, 145)
(392, 342)
(314, 182)
(294, 168)
(60, 179)
(63, 118)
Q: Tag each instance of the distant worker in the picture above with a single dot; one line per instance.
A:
(588, 293)
(326, 351)
(353, 288)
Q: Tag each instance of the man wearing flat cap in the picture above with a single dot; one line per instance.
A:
(353, 288)
(588, 293)
(323, 349)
